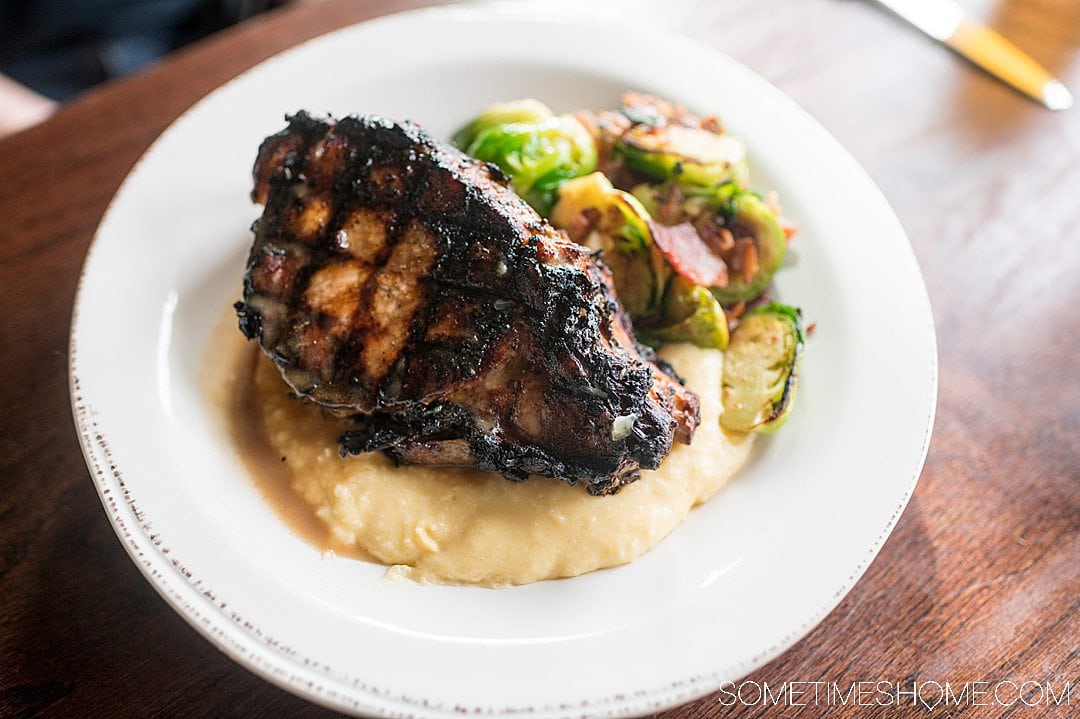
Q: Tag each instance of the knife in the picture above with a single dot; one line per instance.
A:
(944, 21)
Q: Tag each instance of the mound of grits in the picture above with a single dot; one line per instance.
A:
(473, 527)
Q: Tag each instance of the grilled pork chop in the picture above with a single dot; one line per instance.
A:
(399, 282)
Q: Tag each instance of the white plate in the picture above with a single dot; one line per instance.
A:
(747, 574)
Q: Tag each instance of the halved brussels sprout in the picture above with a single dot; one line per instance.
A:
(748, 278)
(538, 156)
(691, 314)
(500, 113)
(761, 369)
(620, 231)
(689, 155)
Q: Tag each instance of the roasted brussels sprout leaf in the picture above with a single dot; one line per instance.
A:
(538, 156)
(761, 369)
(500, 113)
(602, 218)
(689, 155)
(691, 314)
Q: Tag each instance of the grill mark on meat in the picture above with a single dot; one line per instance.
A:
(332, 289)
(394, 294)
(398, 282)
(363, 233)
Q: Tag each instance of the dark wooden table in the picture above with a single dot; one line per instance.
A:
(979, 582)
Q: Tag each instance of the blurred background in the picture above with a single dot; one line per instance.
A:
(52, 50)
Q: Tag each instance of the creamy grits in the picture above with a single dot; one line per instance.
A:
(456, 525)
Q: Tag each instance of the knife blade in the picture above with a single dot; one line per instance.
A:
(944, 20)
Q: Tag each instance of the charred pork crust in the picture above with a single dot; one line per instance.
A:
(398, 282)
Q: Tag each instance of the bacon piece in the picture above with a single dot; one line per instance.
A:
(688, 254)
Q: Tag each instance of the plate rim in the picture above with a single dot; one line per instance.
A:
(240, 640)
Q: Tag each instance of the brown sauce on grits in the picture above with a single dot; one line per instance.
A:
(455, 525)
(228, 386)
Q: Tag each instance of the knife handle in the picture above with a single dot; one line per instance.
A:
(992, 52)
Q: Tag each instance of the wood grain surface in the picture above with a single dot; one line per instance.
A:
(980, 580)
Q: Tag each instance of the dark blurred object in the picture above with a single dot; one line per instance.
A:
(62, 47)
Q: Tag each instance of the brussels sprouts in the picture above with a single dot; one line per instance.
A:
(689, 155)
(750, 272)
(619, 229)
(691, 314)
(664, 305)
(761, 367)
(538, 156)
(757, 242)
(500, 113)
